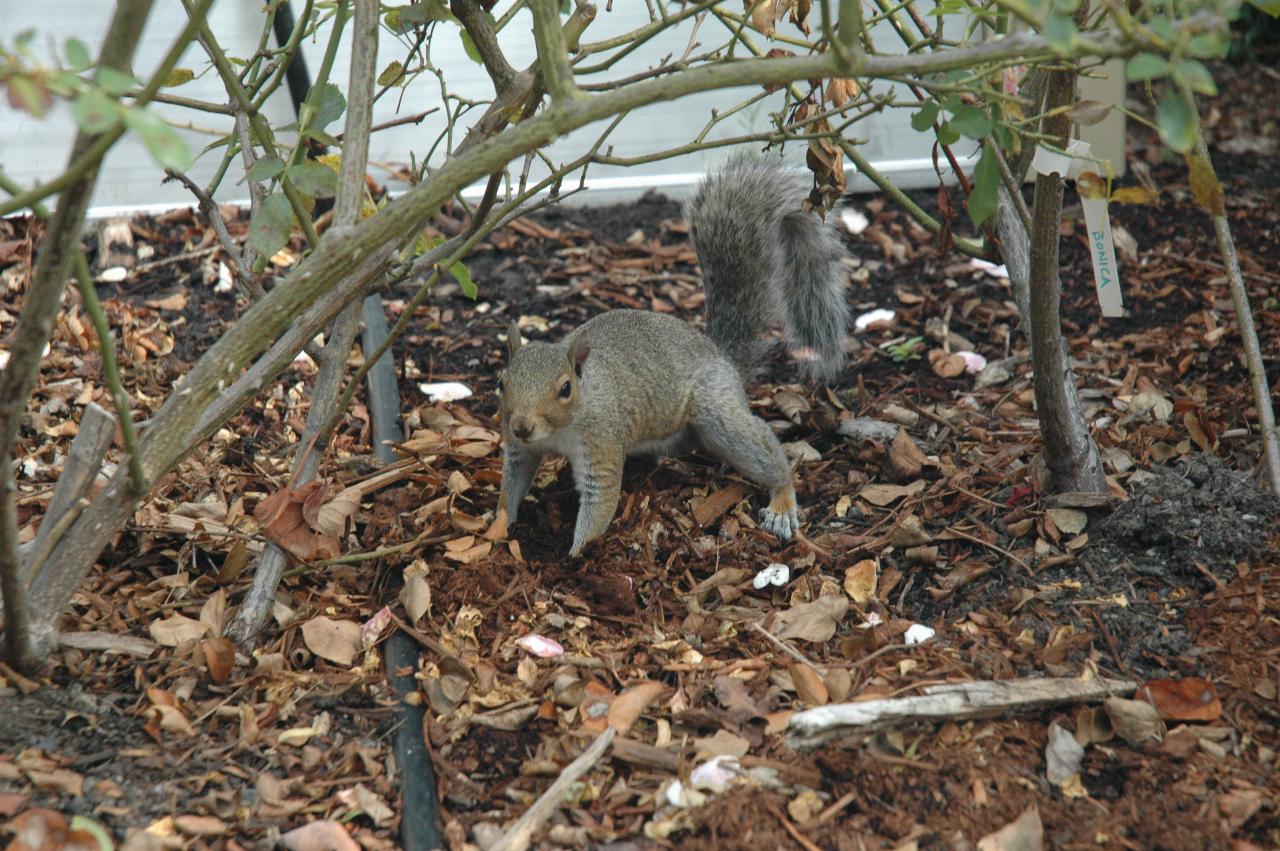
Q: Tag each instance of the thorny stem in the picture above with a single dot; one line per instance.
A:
(1244, 317)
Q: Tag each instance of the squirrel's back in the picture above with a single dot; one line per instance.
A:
(765, 258)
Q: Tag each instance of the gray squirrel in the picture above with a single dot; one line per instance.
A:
(631, 382)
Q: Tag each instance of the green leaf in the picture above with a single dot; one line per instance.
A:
(1177, 124)
(1164, 28)
(947, 134)
(1194, 76)
(923, 120)
(1146, 66)
(329, 105)
(986, 182)
(1212, 45)
(164, 144)
(1060, 31)
(271, 226)
(313, 178)
(391, 73)
(179, 77)
(24, 38)
(469, 47)
(463, 277)
(78, 55)
(116, 82)
(1271, 7)
(95, 112)
(972, 122)
(265, 169)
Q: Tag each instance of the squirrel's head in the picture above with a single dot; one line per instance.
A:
(540, 386)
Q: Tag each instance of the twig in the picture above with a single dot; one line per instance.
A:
(1244, 317)
(210, 210)
(788, 649)
(520, 836)
(976, 540)
(111, 373)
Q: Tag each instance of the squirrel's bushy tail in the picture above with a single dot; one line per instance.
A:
(764, 258)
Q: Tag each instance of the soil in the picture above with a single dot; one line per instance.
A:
(1175, 579)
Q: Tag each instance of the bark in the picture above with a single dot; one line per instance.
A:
(28, 629)
(1070, 453)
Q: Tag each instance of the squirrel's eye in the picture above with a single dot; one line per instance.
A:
(566, 390)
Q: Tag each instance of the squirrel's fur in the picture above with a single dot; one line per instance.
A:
(630, 382)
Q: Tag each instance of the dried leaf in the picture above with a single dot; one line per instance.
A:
(810, 688)
(1192, 699)
(815, 621)
(337, 641)
(219, 657)
(1205, 186)
(860, 581)
(320, 836)
(627, 707)
(1025, 833)
(177, 629)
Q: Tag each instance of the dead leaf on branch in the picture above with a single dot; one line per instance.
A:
(291, 518)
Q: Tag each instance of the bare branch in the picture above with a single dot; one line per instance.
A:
(553, 57)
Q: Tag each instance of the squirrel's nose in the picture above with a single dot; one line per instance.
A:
(522, 428)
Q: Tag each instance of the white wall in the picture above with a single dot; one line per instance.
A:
(34, 149)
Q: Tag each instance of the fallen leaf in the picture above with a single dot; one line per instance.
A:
(337, 641)
(815, 621)
(1135, 721)
(1192, 699)
(810, 688)
(1063, 755)
(320, 836)
(1025, 833)
(860, 581)
(219, 657)
(177, 629)
(627, 707)
(200, 825)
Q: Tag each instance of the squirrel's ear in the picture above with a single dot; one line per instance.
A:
(513, 338)
(578, 351)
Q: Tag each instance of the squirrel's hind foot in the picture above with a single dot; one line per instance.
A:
(781, 516)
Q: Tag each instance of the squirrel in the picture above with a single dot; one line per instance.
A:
(631, 382)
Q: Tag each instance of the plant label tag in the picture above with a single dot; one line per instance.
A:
(1079, 164)
(1102, 251)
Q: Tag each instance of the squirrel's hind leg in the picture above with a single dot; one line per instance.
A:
(725, 426)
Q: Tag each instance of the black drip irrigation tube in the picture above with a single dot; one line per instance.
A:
(419, 804)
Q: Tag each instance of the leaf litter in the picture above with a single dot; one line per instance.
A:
(926, 516)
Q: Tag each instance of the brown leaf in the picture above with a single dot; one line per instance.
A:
(627, 707)
(337, 641)
(1191, 699)
(815, 621)
(841, 90)
(906, 459)
(37, 830)
(810, 688)
(860, 581)
(220, 658)
(709, 509)
(289, 518)
(176, 629)
(1025, 833)
(61, 781)
(200, 825)
(320, 836)
(1205, 185)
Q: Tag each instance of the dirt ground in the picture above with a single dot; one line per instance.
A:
(170, 742)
